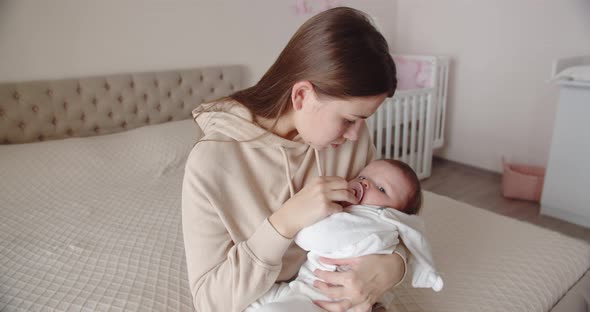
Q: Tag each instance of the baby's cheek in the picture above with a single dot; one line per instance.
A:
(370, 198)
(384, 200)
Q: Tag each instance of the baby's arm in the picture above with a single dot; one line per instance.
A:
(327, 235)
(343, 233)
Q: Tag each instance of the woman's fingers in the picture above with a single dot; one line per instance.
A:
(334, 278)
(331, 291)
(335, 189)
(340, 262)
(334, 183)
(361, 284)
(342, 196)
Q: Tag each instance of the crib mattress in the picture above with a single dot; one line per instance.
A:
(493, 263)
(94, 224)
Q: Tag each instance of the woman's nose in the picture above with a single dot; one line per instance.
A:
(352, 133)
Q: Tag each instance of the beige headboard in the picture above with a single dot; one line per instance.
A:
(55, 109)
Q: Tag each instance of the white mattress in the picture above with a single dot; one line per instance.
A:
(493, 263)
(93, 224)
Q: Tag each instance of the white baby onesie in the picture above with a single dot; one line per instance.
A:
(359, 230)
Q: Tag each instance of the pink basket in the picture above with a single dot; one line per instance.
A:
(522, 181)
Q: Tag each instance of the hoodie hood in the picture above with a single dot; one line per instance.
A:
(235, 121)
(229, 119)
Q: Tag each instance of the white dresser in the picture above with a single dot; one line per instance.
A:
(566, 191)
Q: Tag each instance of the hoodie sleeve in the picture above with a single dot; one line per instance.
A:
(223, 275)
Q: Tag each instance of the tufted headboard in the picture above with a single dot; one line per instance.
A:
(55, 109)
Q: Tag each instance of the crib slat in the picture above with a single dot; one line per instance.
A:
(371, 127)
(421, 156)
(443, 103)
(430, 114)
(405, 131)
(438, 105)
(442, 75)
(379, 144)
(415, 102)
(398, 109)
(389, 125)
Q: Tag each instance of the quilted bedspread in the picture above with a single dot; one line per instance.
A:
(490, 262)
(93, 224)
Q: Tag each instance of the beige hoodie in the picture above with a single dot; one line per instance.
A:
(233, 253)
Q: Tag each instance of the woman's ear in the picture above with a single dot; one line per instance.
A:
(300, 94)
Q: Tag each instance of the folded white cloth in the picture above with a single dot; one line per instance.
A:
(359, 230)
(578, 73)
(363, 229)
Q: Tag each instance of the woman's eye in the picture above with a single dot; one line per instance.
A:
(381, 189)
(349, 122)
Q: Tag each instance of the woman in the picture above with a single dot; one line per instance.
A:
(275, 158)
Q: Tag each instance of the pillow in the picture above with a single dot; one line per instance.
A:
(580, 73)
(412, 73)
(151, 151)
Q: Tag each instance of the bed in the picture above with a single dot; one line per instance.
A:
(90, 208)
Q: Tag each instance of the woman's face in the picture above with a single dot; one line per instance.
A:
(328, 122)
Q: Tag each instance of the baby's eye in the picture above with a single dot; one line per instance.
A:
(361, 178)
(381, 189)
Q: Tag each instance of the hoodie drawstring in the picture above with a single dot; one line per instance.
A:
(288, 168)
(287, 171)
(317, 162)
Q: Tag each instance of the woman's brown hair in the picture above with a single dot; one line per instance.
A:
(338, 51)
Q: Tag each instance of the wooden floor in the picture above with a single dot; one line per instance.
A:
(482, 189)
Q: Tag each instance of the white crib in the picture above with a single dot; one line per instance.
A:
(410, 125)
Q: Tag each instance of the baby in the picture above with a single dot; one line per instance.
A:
(388, 183)
(389, 197)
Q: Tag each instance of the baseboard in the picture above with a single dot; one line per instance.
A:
(470, 167)
(566, 215)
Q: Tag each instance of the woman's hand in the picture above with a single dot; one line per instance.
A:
(311, 204)
(363, 281)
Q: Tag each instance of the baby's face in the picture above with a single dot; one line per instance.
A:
(381, 184)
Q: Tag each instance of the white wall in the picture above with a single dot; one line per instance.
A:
(500, 102)
(69, 38)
